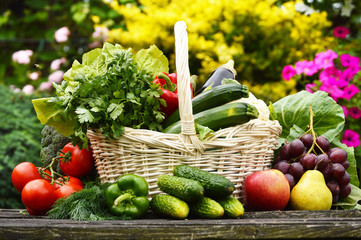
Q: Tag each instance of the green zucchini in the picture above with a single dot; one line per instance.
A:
(216, 96)
(169, 206)
(226, 115)
(206, 208)
(215, 186)
(233, 208)
(183, 188)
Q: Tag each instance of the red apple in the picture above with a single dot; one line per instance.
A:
(266, 190)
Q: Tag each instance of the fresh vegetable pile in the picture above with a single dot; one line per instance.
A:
(195, 192)
(113, 89)
(41, 187)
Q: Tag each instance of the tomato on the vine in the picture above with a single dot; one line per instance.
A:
(80, 163)
(23, 173)
(45, 173)
(71, 180)
(66, 190)
(38, 195)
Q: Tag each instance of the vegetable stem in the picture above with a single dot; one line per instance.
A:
(121, 198)
(314, 143)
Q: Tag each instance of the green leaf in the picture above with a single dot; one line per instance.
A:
(109, 50)
(273, 115)
(152, 60)
(84, 115)
(294, 110)
(115, 110)
(49, 113)
(203, 131)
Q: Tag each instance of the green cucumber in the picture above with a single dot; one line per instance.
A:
(214, 97)
(233, 208)
(215, 186)
(226, 115)
(183, 188)
(169, 206)
(206, 208)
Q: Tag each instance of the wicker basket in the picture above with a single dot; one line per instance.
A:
(233, 152)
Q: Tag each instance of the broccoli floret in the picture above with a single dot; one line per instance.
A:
(52, 143)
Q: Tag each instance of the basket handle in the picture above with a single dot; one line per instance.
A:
(183, 82)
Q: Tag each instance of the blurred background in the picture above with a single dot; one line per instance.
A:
(275, 45)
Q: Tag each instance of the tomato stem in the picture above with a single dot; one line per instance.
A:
(54, 176)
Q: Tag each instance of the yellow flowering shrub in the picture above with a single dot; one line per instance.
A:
(258, 35)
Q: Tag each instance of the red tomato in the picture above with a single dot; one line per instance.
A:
(81, 162)
(72, 180)
(38, 195)
(31, 212)
(67, 189)
(23, 173)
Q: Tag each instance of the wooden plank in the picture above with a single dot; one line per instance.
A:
(259, 225)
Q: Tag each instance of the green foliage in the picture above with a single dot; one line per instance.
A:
(259, 36)
(20, 141)
(31, 24)
(86, 205)
(107, 92)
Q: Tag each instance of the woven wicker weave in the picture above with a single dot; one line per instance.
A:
(233, 152)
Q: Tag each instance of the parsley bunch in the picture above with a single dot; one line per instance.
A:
(124, 96)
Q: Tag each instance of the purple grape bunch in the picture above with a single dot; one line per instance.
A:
(295, 158)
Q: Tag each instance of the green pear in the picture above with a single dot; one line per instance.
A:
(311, 192)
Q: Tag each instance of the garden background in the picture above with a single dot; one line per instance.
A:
(279, 48)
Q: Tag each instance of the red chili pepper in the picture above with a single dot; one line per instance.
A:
(168, 84)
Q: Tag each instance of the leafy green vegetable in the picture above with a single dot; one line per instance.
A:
(108, 91)
(293, 110)
(86, 205)
(152, 60)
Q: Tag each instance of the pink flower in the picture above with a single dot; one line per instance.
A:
(56, 76)
(288, 72)
(349, 61)
(351, 138)
(61, 35)
(22, 56)
(350, 72)
(310, 87)
(329, 81)
(28, 89)
(15, 89)
(325, 59)
(307, 67)
(333, 76)
(45, 86)
(55, 65)
(355, 112)
(341, 32)
(345, 111)
(100, 33)
(94, 44)
(34, 76)
(350, 91)
(333, 91)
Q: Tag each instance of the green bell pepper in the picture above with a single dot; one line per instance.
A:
(128, 197)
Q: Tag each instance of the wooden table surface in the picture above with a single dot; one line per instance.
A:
(343, 224)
